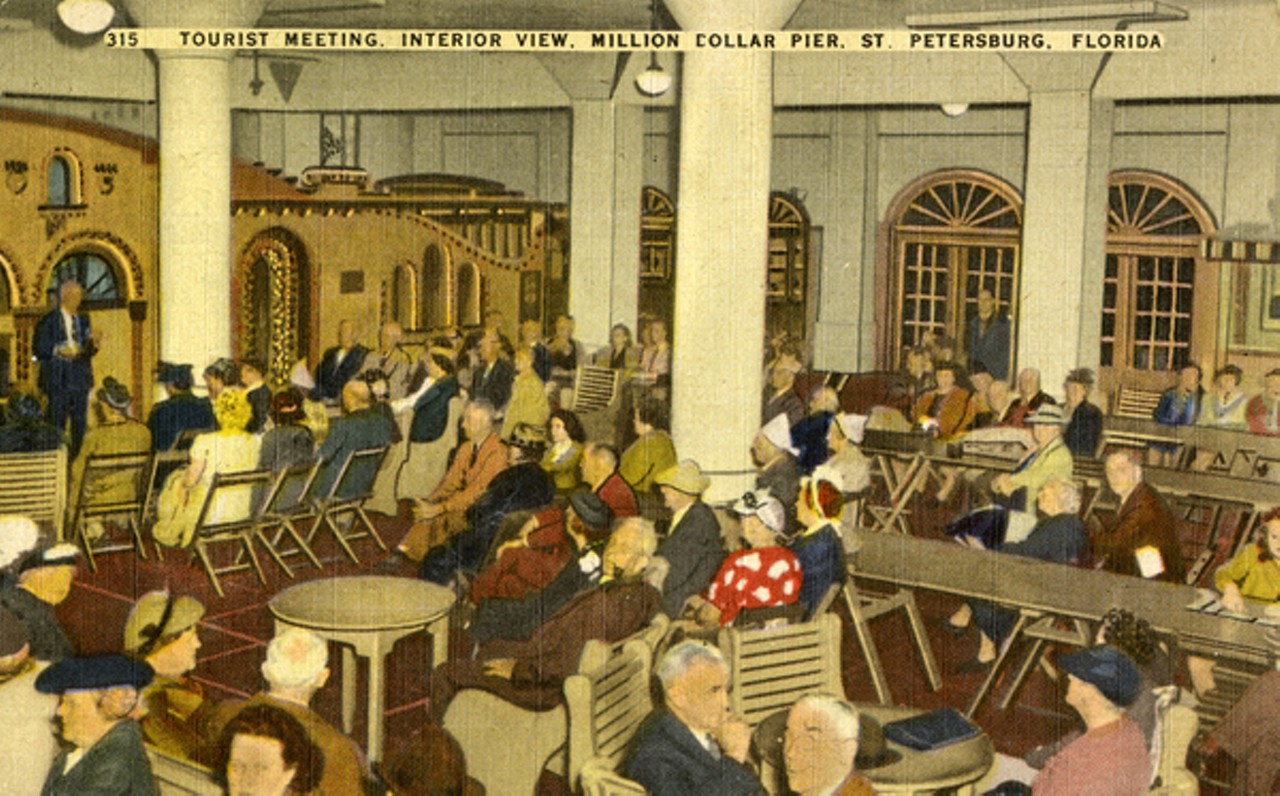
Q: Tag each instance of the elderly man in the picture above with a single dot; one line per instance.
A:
(988, 338)
(43, 583)
(493, 375)
(339, 364)
(1030, 398)
(104, 754)
(27, 748)
(65, 345)
(180, 410)
(780, 394)
(475, 463)
(162, 632)
(531, 672)
(692, 547)
(391, 359)
(296, 668)
(819, 748)
(1142, 538)
(362, 425)
(694, 745)
(115, 433)
(600, 471)
(1049, 459)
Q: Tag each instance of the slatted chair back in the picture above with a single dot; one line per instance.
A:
(112, 485)
(770, 668)
(227, 516)
(607, 701)
(1135, 402)
(594, 388)
(163, 465)
(35, 485)
(345, 499)
(282, 508)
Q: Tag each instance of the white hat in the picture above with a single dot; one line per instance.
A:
(18, 537)
(852, 426)
(778, 432)
(766, 507)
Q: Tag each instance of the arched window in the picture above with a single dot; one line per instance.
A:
(404, 296)
(787, 285)
(94, 273)
(1154, 287)
(468, 282)
(433, 295)
(59, 193)
(952, 234)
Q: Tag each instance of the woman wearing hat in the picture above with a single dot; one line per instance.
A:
(1084, 420)
(115, 433)
(763, 574)
(229, 449)
(161, 631)
(817, 547)
(847, 458)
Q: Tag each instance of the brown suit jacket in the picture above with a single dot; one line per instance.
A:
(1143, 519)
(466, 480)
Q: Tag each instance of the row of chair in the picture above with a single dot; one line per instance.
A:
(284, 503)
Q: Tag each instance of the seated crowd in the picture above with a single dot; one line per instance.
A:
(554, 536)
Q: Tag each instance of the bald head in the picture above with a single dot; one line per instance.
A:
(356, 395)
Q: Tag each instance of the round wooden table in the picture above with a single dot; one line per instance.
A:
(958, 766)
(367, 614)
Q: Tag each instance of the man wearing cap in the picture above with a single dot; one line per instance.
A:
(692, 546)
(362, 425)
(600, 471)
(522, 486)
(26, 745)
(777, 469)
(296, 668)
(105, 755)
(820, 746)
(1142, 538)
(780, 394)
(1111, 757)
(180, 410)
(476, 462)
(43, 583)
(115, 434)
(161, 630)
(65, 345)
(531, 672)
(1049, 459)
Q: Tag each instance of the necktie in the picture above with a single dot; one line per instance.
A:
(713, 748)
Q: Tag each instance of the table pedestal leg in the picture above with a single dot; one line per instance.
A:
(348, 688)
(377, 698)
(439, 630)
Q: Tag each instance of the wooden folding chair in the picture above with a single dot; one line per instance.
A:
(346, 497)
(865, 606)
(112, 486)
(282, 508)
(35, 486)
(772, 667)
(594, 388)
(607, 701)
(213, 529)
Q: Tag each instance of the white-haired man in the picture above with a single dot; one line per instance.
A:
(297, 666)
(694, 746)
(819, 748)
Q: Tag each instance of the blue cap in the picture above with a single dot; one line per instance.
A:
(94, 674)
(1106, 668)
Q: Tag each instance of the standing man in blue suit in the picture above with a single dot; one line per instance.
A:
(64, 346)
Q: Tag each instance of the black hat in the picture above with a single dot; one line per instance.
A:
(114, 394)
(175, 374)
(591, 509)
(1106, 668)
(94, 674)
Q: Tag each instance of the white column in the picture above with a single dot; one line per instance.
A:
(591, 198)
(1063, 233)
(195, 206)
(628, 164)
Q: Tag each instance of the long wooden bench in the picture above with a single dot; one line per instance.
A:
(35, 485)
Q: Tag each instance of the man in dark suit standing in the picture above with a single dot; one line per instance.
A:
(339, 364)
(694, 745)
(65, 346)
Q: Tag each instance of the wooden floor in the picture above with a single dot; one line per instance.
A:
(236, 628)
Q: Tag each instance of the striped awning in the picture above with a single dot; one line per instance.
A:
(1243, 251)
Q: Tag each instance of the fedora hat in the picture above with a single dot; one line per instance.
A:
(684, 477)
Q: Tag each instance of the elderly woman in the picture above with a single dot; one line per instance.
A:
(763, 574)
(817, 547)
(229, 449)
(528, 396)
(565, 451)
(266, 752)
(1254, 574)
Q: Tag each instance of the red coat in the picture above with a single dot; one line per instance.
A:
(618, 496)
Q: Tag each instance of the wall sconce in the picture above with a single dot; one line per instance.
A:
(653, 81)
(88, 17)
(955, 109)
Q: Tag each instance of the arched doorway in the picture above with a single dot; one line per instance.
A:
(404, 296)
(433, 293)
(1159, 300)
(273, 300)
(467, 312)
(950, 235)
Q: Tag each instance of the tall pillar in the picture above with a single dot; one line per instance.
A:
(1064, 233)
(608, 149)
(195, 180)
(726, 131)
